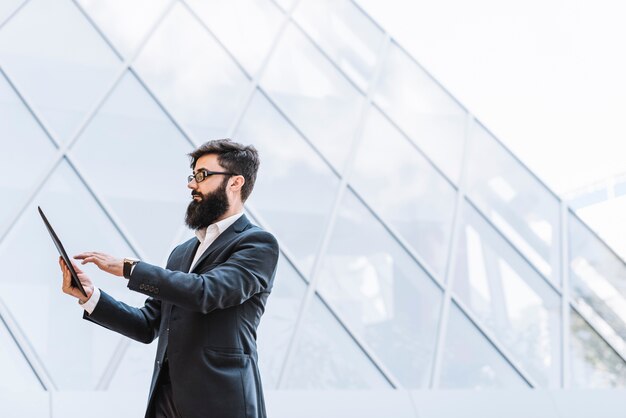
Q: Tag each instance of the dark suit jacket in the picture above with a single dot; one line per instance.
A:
(206, 320)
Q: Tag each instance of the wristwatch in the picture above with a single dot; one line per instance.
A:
(128, 266)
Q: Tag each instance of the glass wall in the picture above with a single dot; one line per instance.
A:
(416, 250)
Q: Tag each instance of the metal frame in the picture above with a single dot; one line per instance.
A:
(64, 153)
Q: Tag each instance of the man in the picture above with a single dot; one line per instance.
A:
(206, 304)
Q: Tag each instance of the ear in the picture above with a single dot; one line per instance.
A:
(237, 184)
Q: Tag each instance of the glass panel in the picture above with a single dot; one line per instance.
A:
(287, 160)
(594, 364)
(422, 109)
(134, 372)
(312, 93)
(515, 201)
(246, 27)
(192, 75)
(597, 283)
(278, 322)
(119, 158)
(382, 293)
(25, 150)
(349, 37)
(470, 361)
(327, 358)
(56, 324)
(405, 189)
(509, 297)
(124, 23)
(7, 7)
(63, 67)
(17, 374)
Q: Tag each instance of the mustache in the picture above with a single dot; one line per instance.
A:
(194, 193)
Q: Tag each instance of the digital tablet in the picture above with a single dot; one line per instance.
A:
(75, 281)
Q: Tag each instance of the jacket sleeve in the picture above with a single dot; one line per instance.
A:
(249, 270)
(140, 324)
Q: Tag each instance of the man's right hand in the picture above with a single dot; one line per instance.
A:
(67, 282)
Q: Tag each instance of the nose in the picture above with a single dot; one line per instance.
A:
(192, 184)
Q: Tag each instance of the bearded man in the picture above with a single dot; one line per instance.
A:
(206, 304)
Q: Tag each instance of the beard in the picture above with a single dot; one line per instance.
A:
(208, 209)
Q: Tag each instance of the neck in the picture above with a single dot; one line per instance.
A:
(233, 210)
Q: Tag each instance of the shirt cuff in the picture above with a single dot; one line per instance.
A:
(91, 303)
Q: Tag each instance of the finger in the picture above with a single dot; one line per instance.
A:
(78, 270)
(81, 256)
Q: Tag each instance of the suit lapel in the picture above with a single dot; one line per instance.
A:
(190, 251)
(224, 238)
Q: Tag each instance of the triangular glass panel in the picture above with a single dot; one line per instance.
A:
(135, 369)
(594, 364)
(321, 102)
(399, 189)
(82, 226)
(7, 7)
(597, 283)
(289, 161)
(124, 23)
(117, 156)
(508, 297)
(26, 150)
(351, 39)
(326, 357)
(381, 293)
(62, 68)
(17, 375)
(246, 27)
(470, 361)
(423, 110)
(515, 201)
(193, 76)
(278, 321)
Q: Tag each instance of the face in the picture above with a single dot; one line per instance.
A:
(210, 200)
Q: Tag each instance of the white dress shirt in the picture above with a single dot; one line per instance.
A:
(206, 236)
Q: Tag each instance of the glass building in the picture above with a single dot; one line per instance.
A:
(418, 254)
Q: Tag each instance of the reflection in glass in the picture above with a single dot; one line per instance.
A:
(192, 75)
(288, 163)
(63, 67)
(117, 156)
(594, 364)
(470, 361)
(597, 283)
(349, 37)
(26, 149)
(82, 226)
(403, 187)
(124, 23)
(278, 322)
(314, 95)
(382, 293)
(515, 201)
(423, 110)
(17, 375)
(236, 22)
(327, 358)
(509, 298)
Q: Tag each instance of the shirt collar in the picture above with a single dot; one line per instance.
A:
(218, 227)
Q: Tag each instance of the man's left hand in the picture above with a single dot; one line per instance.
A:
(104, 262)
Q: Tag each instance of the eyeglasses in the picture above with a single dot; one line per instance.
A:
(203, 174)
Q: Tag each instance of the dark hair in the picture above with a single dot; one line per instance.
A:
(234, 157)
